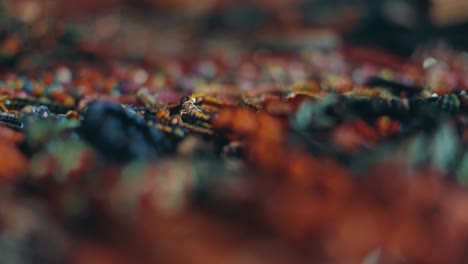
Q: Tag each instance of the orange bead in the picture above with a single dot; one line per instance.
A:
(11, 45)
(48, 78)
(109, 84)
(163, 113)
(58, 96)
(72, 115)
(68, 100)
(55, 94)
(86, 85)
(384, 125)
(38, 90)
(395, 127)
(367, 131)
(346, 137)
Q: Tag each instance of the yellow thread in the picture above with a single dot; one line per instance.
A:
(3, 107)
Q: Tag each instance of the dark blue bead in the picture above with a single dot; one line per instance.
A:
(122, 135)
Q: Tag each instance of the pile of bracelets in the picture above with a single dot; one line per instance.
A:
(338, 155)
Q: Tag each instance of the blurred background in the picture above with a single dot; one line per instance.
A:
(149, 29)
(37, 36)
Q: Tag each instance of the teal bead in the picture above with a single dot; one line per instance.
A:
(449, 103)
